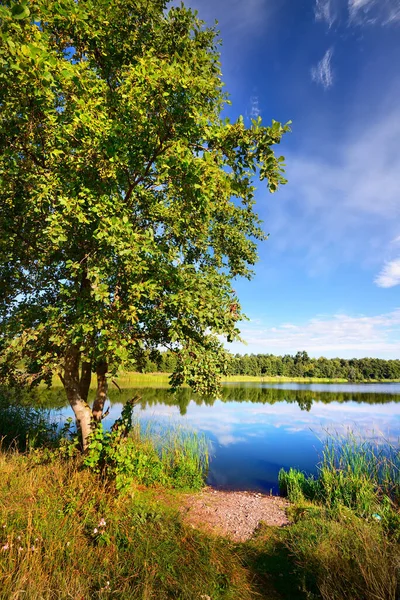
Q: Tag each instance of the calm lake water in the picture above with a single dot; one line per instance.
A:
(256, 429)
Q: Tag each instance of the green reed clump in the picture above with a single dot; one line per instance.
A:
(346, 531)
(353, 472)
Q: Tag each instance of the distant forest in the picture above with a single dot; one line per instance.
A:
(298, 365)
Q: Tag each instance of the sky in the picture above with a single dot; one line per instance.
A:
(328, 278)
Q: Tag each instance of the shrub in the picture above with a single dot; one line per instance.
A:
(175, 458)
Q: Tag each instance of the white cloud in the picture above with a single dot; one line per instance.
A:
(322, 73)
(344, 205)
(358, 12)
(324, 11)
(254, 107)
(335, 335)
(390, 274)
(383, 12)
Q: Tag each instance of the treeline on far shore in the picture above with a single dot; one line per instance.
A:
(298, 365)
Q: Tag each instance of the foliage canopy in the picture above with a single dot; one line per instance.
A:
(126, 200)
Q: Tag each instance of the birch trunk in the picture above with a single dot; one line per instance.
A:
(75, 391)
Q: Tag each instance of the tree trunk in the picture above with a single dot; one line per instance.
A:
(71, 382)
(86, 378)
(101, 394)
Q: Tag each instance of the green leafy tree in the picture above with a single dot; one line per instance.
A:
(126, 200)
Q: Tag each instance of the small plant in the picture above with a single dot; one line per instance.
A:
(176, 458)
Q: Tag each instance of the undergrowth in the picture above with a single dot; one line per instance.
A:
(64, 534)
(345, 536)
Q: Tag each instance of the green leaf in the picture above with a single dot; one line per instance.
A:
(20, 11)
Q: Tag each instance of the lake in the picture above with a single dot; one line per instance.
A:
(256, 429)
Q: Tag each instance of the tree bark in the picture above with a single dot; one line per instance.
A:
(86, 378)
(101, 394)
(71, 382)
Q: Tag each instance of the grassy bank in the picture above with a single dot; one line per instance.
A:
(148, 379)
(69, 529)
(126, 380)
(345, 536)
(66, 534)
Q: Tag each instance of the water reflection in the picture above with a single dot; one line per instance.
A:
(304, 395)
(256, 429)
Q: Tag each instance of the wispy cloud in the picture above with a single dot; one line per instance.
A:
(343, 206)
(234, 17)
(254, 107)
(322, 73)
(334, 335)
(358, 12)
(390, 274)
(374, 12)
(324, 11)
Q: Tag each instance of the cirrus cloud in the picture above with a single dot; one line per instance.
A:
(358, 12)
(322, 73)
(324, 11)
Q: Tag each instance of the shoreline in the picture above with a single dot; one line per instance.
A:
(159, 379)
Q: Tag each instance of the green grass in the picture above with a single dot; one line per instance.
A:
(174, 457)
(161, 380)
(343, 557)
(356, 473)
(281, 379)
(346, 533)
(21, 425)
(66, 534)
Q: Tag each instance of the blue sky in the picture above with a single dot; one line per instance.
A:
(328, 279)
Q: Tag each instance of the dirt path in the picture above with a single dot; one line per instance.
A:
(233, 514)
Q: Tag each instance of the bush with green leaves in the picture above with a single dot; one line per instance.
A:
(174, 458)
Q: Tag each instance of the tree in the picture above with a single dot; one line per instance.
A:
(126, 200)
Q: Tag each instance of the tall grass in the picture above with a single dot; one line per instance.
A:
(65, 534)
(354, 472)
(346, 532)
(152, 454)
(344, 558)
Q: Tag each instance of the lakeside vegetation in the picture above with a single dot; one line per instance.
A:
(69, 529)
(159, 379)
(298, 367)
(346, 533)
(127, 212)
